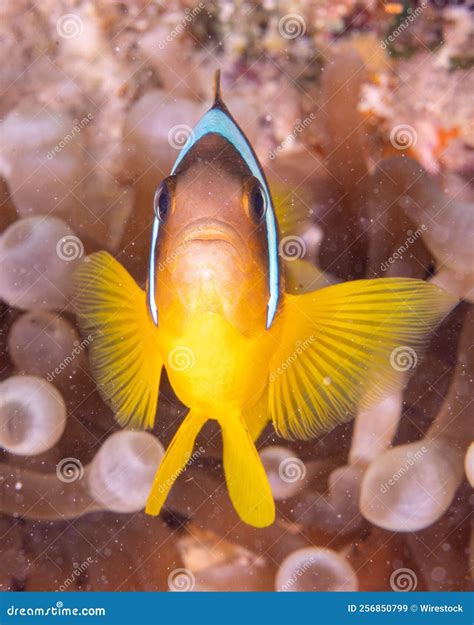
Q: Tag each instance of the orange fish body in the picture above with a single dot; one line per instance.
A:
(211, 291)
(236, 347)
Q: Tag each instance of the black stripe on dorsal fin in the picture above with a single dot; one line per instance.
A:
(218, 101)
(217, 88)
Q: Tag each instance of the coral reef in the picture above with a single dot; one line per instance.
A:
(362, 119)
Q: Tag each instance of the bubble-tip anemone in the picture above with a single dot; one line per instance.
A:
(32, 415)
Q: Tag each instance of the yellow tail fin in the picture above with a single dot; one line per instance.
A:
(124, 351)
(247, 482)
(348, 345)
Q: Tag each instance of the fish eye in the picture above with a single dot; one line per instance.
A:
(162, 202)
(257, 202)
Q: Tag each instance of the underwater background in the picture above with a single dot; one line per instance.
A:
(361, 114)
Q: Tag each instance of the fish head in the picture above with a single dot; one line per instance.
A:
(215, 240)
(212, 254)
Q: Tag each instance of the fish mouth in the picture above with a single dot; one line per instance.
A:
(208, 230)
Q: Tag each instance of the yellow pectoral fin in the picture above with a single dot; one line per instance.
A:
(346, 346)
(291, 212)
(246, 479)
(301, 276)
(124, 353)
(175, 460)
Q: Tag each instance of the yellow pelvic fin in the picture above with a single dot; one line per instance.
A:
(175, 460)
(346, 346)
(123, 352)
(247, 481)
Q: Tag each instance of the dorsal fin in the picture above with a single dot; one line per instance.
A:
(217, 88)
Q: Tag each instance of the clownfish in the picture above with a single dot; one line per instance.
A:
(237, 348)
